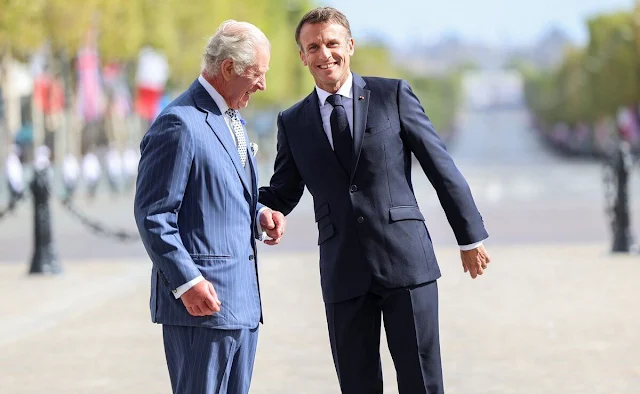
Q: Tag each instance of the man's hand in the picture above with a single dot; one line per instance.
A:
(201, 299)
(273, 223)
(475, 261)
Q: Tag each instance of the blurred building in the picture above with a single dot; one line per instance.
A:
(485, 90)
(452, 53)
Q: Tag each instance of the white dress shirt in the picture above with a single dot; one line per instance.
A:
(222, 105)
(220, 102)
(346, 90)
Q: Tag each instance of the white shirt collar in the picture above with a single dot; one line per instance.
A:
(219, 100)
(345, 90)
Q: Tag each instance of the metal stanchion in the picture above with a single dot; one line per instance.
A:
(622, 162)
(44, 260)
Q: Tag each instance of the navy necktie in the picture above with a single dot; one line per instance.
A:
(340, 132)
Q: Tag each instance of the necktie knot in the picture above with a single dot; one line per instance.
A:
(232, 113)
(335, 100)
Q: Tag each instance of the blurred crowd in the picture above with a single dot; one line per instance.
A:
(592, 99)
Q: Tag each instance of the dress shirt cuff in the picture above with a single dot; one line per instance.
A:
(472, 246)
(261, 234)
(185, 287)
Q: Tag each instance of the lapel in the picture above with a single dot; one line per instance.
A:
(218, 125)
(314, 122)
(360, 110)
(253, 176)
(252, 164)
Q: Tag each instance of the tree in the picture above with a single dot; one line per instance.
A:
(612, 61)
(592, 82)
(121, 29)
(575, 104)
(20, 27)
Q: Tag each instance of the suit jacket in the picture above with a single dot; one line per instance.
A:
(369, 223)
(195, 207)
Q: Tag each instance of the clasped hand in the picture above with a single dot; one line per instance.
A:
(272, 223)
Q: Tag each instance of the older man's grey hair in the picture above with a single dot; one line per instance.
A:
(238, 41)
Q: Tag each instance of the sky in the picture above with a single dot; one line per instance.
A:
(512, 23)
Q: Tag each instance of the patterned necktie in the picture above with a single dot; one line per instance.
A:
(238, 130)
(342, 141)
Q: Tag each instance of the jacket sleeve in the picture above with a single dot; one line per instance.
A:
(286, 186)
(167, 151)
(452, 188)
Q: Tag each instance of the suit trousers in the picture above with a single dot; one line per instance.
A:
(411, 324)
(207, 361)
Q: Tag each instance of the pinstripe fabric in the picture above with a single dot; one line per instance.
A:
(195, 208)
(191, 351)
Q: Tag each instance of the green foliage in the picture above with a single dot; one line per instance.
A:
(66, 23)
(181, 29)
(122, 32)
(440, 98)
(20, 27)
(594, 81)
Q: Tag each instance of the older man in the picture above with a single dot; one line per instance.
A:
(196, 207)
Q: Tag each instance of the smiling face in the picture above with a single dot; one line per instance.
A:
(326, 49)
(238, 88)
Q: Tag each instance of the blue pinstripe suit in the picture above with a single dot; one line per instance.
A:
(195, 207)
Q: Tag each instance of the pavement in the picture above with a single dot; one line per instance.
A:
(544, 319)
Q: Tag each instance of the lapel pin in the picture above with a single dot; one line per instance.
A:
(360, 97)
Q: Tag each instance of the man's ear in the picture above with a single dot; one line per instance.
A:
(351, 46)
(304, 60)
(228, 70)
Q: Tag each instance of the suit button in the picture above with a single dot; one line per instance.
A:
(353, 188)
(250, 257)
(360, 219)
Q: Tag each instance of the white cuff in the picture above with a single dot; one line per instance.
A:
(262, 235)
(472, 246)
(177, 293)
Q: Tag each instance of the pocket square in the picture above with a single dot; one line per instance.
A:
(254, 148)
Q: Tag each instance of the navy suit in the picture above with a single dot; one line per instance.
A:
(195, 207)
(376, 255)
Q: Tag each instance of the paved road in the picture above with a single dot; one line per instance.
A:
(545, 319)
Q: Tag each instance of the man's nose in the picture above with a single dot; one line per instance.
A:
(326, 53)
(262, 83)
